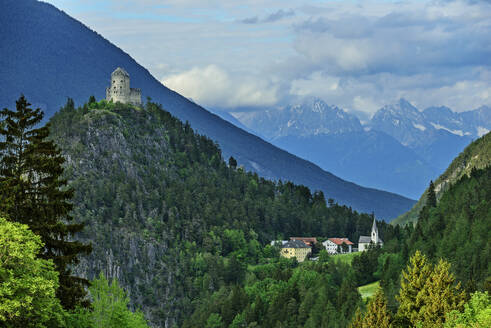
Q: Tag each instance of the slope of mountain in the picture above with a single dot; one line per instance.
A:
(475, 156)
(49, 56)
(164, 213)
(370, 158)
(458, 229)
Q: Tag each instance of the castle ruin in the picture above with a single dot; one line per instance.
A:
(120, 89)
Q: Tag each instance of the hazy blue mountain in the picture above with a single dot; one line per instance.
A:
(473, 123)
(50, 56)
(338, 143)
(399, 149)
(436, 134)
(313, 117)
(370, 158)
(402, 121)
(231, 119)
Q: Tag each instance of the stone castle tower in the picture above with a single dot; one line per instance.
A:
(120, 89)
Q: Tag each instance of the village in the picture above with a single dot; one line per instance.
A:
(301, 248)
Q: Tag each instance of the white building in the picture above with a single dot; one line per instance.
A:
(335, 245)
(365, 241)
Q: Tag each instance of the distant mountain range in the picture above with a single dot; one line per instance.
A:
(437, 134)
(313, 117)
(49, 56)
(399, 149)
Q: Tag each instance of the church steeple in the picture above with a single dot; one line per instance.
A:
(374, 237)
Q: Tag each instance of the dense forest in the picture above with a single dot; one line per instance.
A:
(169, 217)
(186, 236)
(458, 229)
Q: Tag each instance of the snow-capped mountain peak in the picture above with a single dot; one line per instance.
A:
(310, 117)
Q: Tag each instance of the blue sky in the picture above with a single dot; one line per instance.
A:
(251, 54)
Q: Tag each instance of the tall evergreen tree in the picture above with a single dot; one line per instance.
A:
(440, 295)
(376, 315)
(32, 192)
(413, 281)
(431, 198)
(357, 321)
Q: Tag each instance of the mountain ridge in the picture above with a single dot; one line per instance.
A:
(427, 140)
(50, 56)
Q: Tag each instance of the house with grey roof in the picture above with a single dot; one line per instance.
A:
(296, 248)
(374, 239)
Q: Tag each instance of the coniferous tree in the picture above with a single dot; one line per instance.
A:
(413, 281)
(232, 163)
(32, 192)
(431, 199)
(440, 295)
(376, 315)
(357, 321)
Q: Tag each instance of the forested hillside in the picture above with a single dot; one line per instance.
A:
(458, 229)
(168, 217)
(475, 156)
(426, 274)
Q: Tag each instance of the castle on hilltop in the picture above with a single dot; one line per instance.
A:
(120, 89)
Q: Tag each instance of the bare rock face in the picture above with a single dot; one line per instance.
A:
(105, 165)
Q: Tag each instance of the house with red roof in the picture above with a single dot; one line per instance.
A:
(310, 241)
(338, 245)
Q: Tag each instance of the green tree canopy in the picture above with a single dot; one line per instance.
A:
(440, 295)
(27, 283)
(376, 315)
(428, 293)
(32, 192)
(413, 281)
(110, 306)
(477, 313)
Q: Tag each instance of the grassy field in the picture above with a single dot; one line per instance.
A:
(368, 290)
(345, 258)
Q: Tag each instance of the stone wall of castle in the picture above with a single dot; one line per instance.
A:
(135, 96)
(120, 90)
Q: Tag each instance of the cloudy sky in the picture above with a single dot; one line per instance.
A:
(359, 55)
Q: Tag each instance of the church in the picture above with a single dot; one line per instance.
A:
(365, 241)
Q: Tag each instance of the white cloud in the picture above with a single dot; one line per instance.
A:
(359, 55)
(213, 87)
